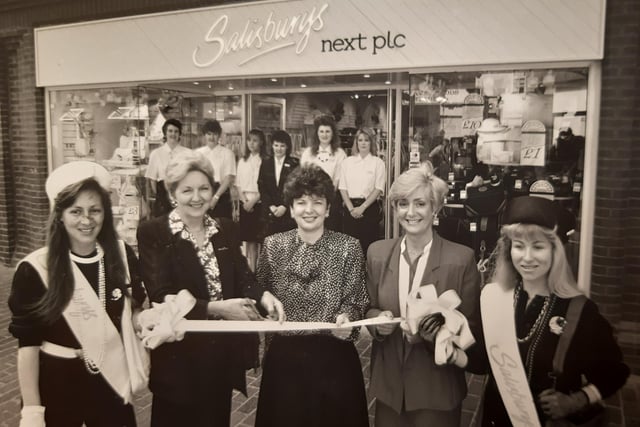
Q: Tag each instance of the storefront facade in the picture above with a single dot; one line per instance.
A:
(515, 89)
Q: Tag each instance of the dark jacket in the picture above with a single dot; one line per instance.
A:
(186, 371)
(272, 194)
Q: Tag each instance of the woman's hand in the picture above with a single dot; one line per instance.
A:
(358, 212)
(280, 210)
(342, 333)
(238, 309)
(410, 336)
(273, 306)
(386, 329)
(558, 405)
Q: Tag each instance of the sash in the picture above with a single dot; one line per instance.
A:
(498, 323)
(91, 325)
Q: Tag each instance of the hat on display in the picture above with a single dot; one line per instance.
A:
(531, 210)
(72, 173)
(491, 126)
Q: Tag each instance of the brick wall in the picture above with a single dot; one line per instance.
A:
(616, 254)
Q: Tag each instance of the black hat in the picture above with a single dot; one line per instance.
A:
(531, 210)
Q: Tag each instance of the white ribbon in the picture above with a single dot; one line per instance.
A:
(454, 334)
(159, 323)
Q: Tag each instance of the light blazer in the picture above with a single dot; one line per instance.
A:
(401, 370)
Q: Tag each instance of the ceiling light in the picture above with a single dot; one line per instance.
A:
(303, 85)
(366, 76)
(387, 82)
(356, 96)
(196, 83)
(230, 87)
(209, 86)
(273, 79)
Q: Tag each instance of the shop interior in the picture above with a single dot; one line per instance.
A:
(491, 135)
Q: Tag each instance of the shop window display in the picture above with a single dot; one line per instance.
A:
(497, 135)
(117, 128)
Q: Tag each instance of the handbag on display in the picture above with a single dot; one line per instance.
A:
(594, 415)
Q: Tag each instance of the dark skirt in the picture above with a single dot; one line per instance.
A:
(312, 380)
(365, 229)
(250, 225)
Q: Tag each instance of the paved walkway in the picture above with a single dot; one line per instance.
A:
(624, 407)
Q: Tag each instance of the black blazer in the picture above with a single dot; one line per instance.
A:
(186, 371)
(270, 193)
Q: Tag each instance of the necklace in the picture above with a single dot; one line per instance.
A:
(92, 367)
(539, 319)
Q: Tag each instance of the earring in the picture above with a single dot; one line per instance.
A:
(174, 203)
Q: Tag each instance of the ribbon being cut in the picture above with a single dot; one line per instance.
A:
(165, 322)
(454, 337)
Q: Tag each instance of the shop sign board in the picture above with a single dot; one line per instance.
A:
(320, 36)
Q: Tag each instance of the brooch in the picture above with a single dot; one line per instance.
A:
(557, 324)
(116, 294)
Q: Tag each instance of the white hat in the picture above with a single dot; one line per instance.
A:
(491, 126)
(72, 173)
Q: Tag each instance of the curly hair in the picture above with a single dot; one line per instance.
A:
(310, 180)
(173, 122)
(212, 126)
(325, 121)
(415, 178)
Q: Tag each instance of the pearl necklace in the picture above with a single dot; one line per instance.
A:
(92, 367)
(539, 319)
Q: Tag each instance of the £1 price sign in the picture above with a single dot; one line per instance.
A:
(532, 150)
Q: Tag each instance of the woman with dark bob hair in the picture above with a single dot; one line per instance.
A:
(70, 303)
(313, 378)
(192, 380)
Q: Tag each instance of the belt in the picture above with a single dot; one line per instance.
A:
(60, 351)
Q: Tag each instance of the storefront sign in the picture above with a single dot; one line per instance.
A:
(266, 38)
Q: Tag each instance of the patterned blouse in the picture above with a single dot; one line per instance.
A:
(206, 255)
(315, 282)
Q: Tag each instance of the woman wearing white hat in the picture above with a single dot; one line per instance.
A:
(70, 303)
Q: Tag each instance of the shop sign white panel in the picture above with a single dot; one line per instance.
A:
(319, 36)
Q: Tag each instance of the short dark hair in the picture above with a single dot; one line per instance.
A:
(283, 137)
(212, 126)
(309, 180)
(174, 122)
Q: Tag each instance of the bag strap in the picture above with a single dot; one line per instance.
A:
(573, 316)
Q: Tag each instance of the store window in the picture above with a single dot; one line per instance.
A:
(496, 135)
(118, 128)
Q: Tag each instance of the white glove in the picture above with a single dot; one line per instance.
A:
(32, 416)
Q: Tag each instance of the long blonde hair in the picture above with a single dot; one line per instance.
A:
(560, 280)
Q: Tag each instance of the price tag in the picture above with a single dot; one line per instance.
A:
(532, 152)
(470, 125)
(473, 227)
(131, 212)
(463, 194)
(577, 187)
(518, 184)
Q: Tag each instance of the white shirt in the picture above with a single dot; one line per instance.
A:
(360, 176)
(328, 161)
(247, 177)
(278, 168)
(222, 159)
(404, 274)
(159, 159)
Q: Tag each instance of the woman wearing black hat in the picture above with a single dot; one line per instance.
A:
(559, 338)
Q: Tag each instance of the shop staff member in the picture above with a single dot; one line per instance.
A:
(362, 179)
(70, 304)
(224, 169)
(325, 152)
(273, 174)
(158, 161)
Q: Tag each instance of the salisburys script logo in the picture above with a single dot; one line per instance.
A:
(258, 36)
